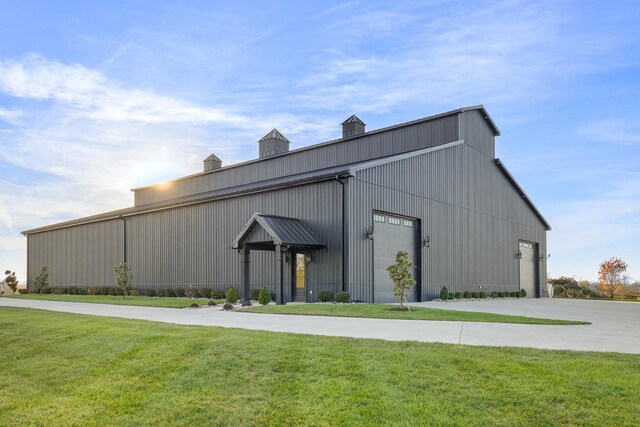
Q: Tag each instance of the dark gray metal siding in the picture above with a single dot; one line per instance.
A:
(475, 132)
(192, 244)
(82, 255)
(395, 141)
(473, 215)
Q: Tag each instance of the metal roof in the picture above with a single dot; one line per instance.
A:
(223, 193)
(353, 119)
(274, 134)
(213, 157)
(283, 230)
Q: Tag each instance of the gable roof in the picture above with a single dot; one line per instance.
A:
(353, 119)
(282, 230)
(213, 157)
(274, 134)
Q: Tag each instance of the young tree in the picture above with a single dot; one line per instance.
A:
(41, 282)
(401, 274)
(11, 280)
(124, 278)
(611, 276)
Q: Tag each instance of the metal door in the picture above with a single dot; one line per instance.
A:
(528, 268)
(391, 234)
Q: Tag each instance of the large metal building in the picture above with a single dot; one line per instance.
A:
(328, 216)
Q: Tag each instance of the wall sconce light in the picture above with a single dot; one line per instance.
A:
(308, 258)
(370, 233)
(426, 242)
(519, 255)
(542, 257)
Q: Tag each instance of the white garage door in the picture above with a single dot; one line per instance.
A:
(528, 268)
(391, 235)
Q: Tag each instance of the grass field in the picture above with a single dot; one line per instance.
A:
(417, 313)
(117, 300)
(67, 369)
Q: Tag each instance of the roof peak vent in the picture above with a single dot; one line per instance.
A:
(273, 143)
(212, 162)
(353, 126)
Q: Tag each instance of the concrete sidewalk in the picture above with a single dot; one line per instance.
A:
(597, 337)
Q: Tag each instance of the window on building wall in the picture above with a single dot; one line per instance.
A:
(394, 221)
(407, 223)
(378, 218)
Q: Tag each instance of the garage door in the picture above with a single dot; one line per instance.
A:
(528, 268)
(391, 234)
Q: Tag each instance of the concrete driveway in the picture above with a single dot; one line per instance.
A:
(615, 325)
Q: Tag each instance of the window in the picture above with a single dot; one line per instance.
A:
(378, 218)
(407, 223)
(395, 221)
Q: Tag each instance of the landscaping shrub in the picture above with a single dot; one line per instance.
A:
(211, 303)
(482, 295)
(197, 294)
(512, 294)
(205, 292)
(523, 293)
(194, 305)
(467, 294)
(325, 296)
(264, 297)
(190, 291)
(494, 294)
(343, 297)
(161, 293)
(444, 293)
(82, 291)
(150, 292)
(227, 306)
(217, 294)
(180, 293)
(254, 294)
(133, 293)
(500, 294)
(93, 290)
(474, 295)
(458, 295)
(23, 291)
(104, 290)
(112, 291)
(451, 296)
(233, 295)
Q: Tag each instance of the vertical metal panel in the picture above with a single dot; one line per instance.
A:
(473, 215)
(476, 132)
(394, 141)
(81, 255)
(191, 244)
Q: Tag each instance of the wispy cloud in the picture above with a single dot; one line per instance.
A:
(623, 131)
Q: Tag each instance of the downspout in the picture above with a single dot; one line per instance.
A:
(124, 238)
(342, 180)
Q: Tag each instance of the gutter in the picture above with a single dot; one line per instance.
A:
(343, 180)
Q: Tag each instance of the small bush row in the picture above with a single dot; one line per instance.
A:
(446, 295)
(327, 296)
(108, 290)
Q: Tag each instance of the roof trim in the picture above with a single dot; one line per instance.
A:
(526, 198)
(485, 115)
(335, 141)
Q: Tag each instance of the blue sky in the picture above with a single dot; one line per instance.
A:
(96, 99)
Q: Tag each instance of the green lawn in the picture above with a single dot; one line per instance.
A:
(417, 313)
(117, 300)
(67, 369)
